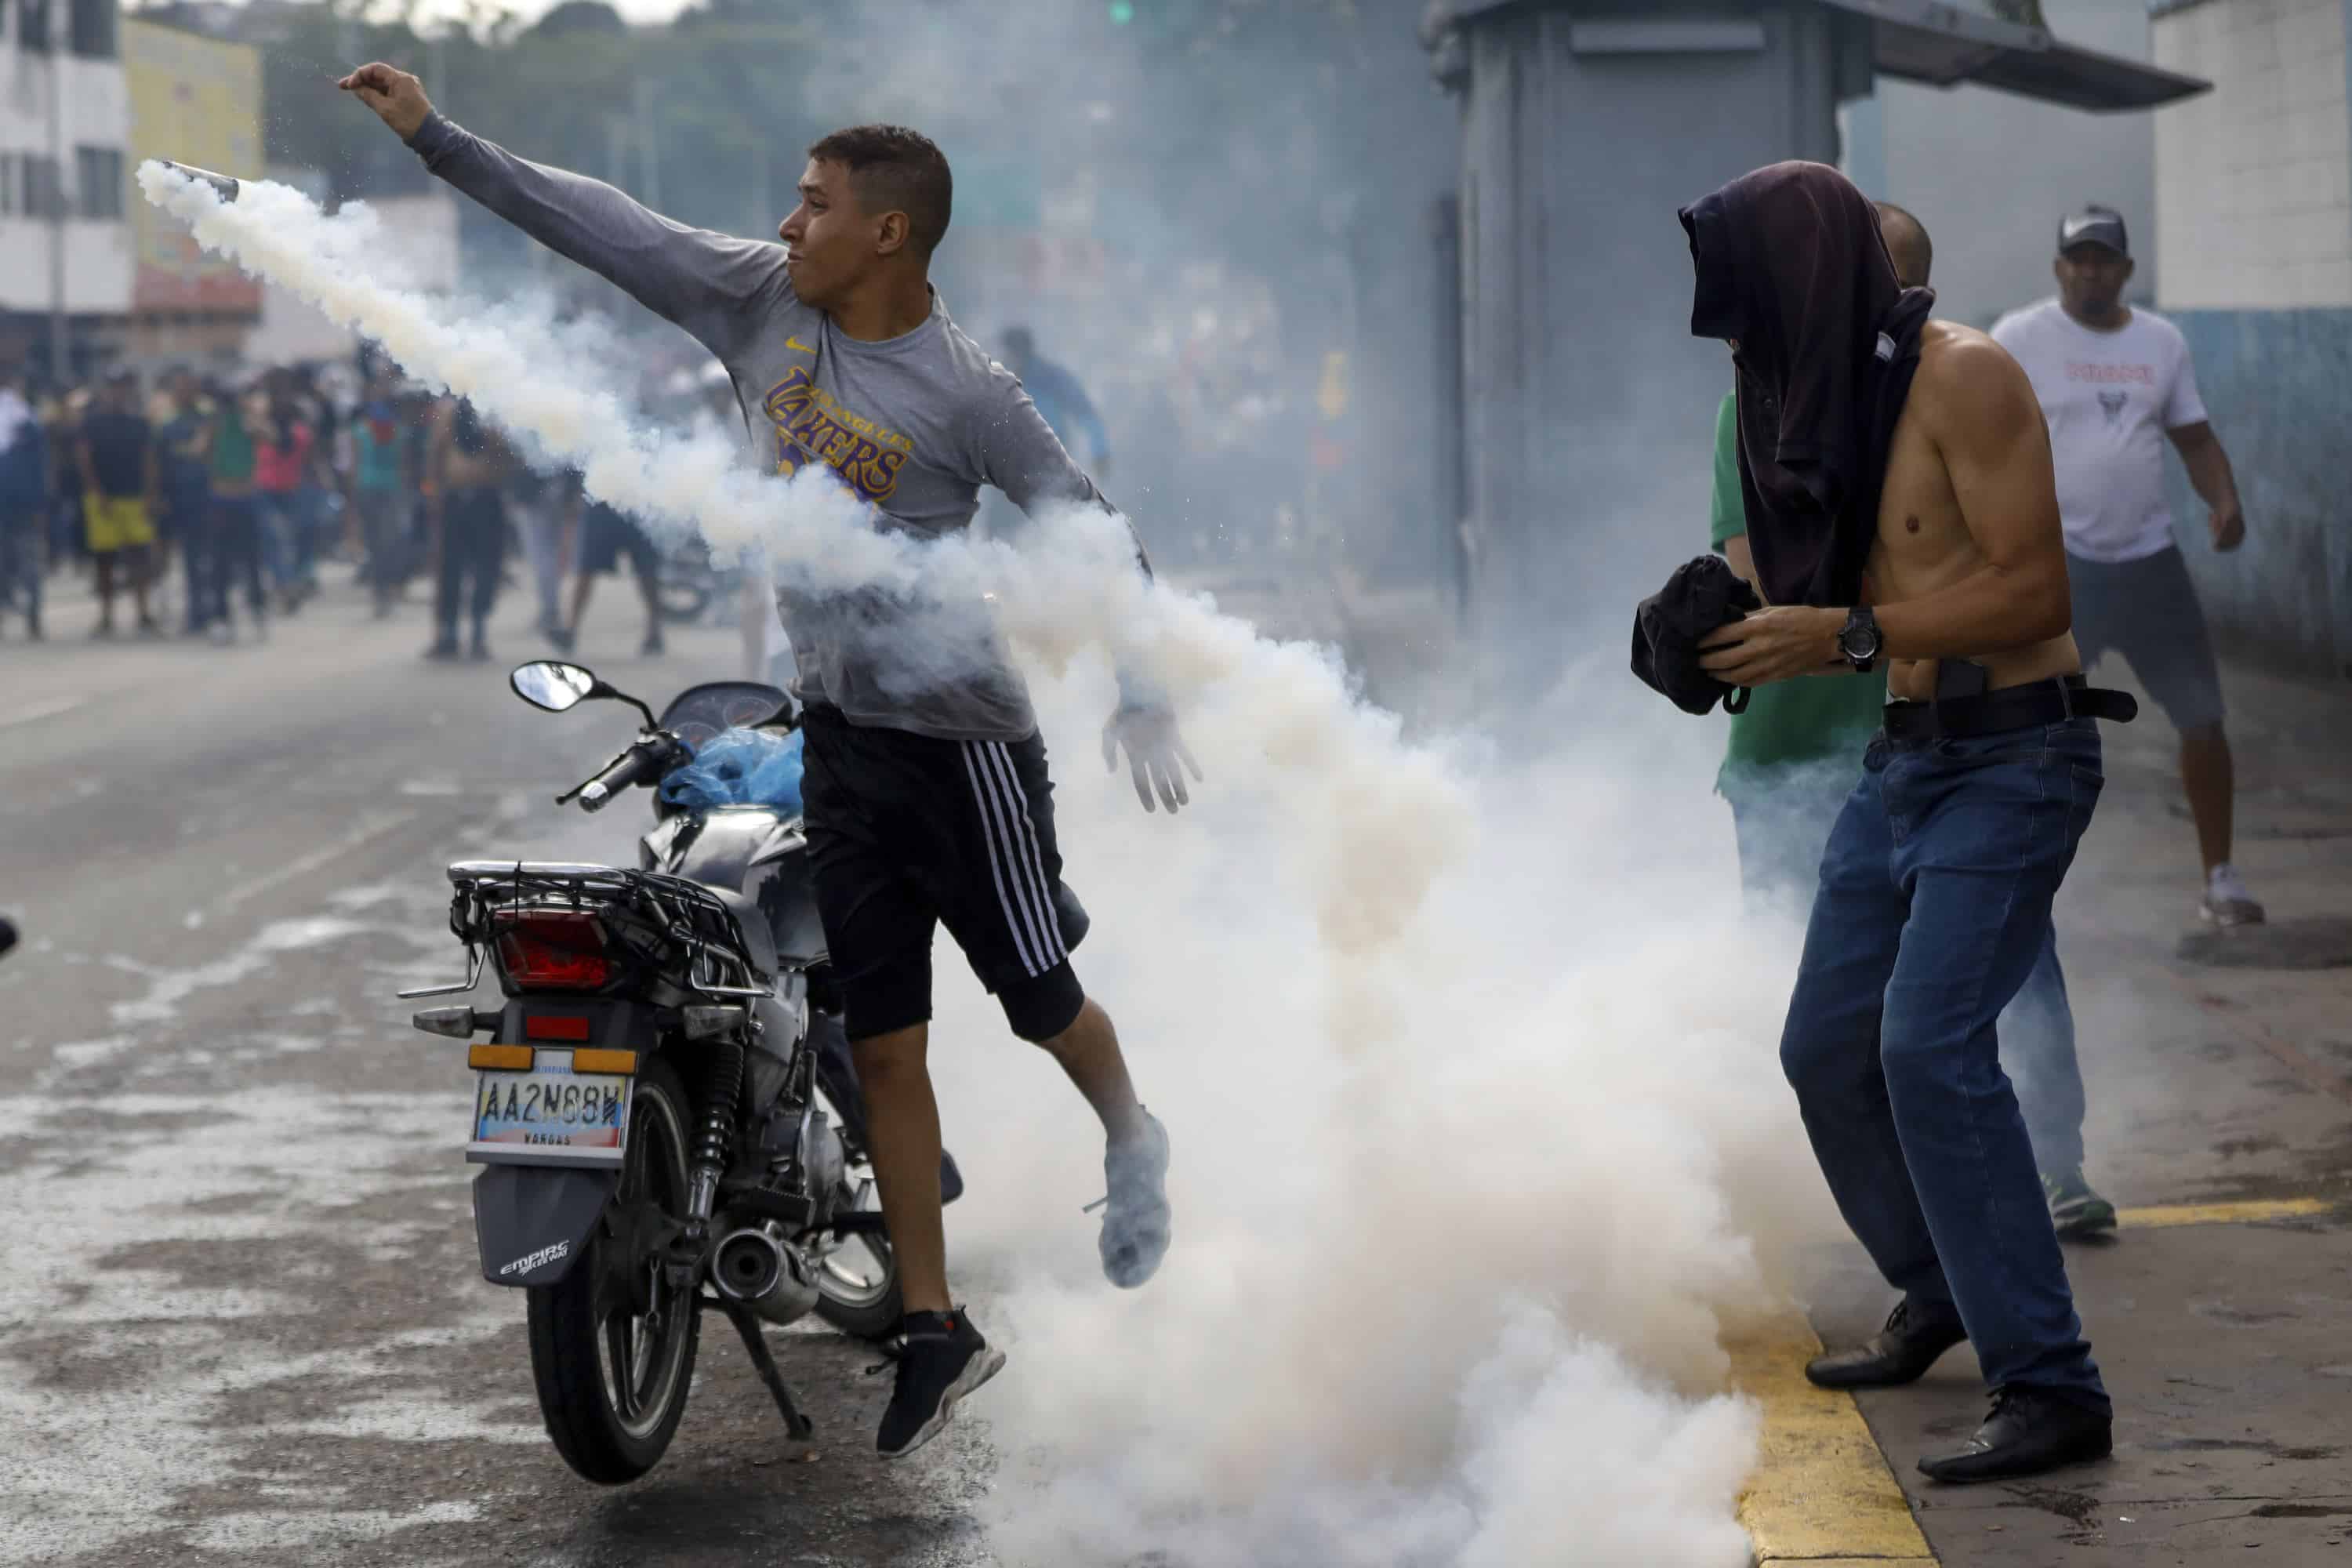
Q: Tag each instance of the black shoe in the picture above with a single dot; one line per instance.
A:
(941, 1359)
(1899, 1354)
(443, 649)
(1136, 1223)
(652, 646)
(2026, 1434)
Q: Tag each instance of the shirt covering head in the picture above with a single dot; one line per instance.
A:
(1793, 270)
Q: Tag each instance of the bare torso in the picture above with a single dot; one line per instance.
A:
(1924, 544)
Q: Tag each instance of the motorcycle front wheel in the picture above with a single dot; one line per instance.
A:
(611, 1345)
(682, 603)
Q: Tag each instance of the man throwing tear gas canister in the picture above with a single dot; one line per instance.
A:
(927, 796)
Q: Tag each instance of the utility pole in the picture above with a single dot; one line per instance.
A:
(59, 338)
(648, 159)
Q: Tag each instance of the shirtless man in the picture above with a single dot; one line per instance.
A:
(1938, 880)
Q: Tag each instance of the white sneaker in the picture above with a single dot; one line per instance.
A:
(2228, 900)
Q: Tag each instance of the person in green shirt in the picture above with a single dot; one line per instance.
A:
(1795, 753)
(1793, 757)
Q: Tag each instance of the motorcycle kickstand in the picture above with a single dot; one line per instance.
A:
(755, 1344)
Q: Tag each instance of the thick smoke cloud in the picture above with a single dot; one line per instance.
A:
(1479, 1136)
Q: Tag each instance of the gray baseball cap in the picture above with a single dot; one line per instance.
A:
(2094, 225)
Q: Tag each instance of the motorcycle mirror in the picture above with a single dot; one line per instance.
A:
(545, 683)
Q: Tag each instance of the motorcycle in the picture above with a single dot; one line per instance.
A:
(691, 582)
(667, 1100)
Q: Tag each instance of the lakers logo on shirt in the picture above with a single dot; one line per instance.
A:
(812, 427)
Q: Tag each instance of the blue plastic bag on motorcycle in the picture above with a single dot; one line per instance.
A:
(739, 767)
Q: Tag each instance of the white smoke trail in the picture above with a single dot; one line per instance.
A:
(1471, 1128)
(1071, 588)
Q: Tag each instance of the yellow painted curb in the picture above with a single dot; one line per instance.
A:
(1820, 1492)
(2250, 1213)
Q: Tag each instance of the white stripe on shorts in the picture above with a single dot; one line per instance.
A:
(1031, 856)
(1018, 918)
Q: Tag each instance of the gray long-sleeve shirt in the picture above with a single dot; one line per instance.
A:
(912, 425)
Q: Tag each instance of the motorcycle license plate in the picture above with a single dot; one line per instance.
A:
(549, 1115)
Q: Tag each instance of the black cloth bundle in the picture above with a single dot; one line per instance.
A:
(1668, 626)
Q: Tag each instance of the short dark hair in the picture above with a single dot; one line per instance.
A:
(894, 168)
(1915, 236)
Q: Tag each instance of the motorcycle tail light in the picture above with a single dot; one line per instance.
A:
(553, 949)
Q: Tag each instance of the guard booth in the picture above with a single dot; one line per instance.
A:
(1584, 404)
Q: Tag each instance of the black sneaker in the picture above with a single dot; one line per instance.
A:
(941, 1358)
(1137, 1222)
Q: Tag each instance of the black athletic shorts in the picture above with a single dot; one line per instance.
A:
(906, 833)
(606, 535)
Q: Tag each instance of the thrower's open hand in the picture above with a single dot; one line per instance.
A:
(397, 98)
(1153, 750)
(1779, 642)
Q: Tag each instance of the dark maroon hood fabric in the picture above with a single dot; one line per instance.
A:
(1791, 266)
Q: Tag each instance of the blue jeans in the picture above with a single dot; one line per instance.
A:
(1934, 908)
(1782, 822)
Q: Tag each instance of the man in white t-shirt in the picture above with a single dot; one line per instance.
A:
(2115, 383)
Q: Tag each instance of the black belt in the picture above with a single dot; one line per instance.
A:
(2052, 702)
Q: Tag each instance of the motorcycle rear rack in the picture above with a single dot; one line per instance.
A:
(666, 910)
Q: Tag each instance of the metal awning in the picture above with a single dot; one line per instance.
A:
(1943, 45)
(1930, 41)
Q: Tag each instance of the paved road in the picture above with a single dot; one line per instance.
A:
(240, 1316)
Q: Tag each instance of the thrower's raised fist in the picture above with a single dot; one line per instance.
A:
(397, 98)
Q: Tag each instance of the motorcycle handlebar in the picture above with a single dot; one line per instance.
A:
(641, 762)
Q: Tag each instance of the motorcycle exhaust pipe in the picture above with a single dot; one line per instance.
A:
(758, 1268)
(226, 186)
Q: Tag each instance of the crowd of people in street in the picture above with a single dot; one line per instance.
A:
(212, 501)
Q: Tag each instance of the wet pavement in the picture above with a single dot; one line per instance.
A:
(240, 1313)
(241, 1318)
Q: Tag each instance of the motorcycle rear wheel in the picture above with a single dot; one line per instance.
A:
(613, 1383)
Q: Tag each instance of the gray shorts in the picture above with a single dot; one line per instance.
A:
(2146, 610)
